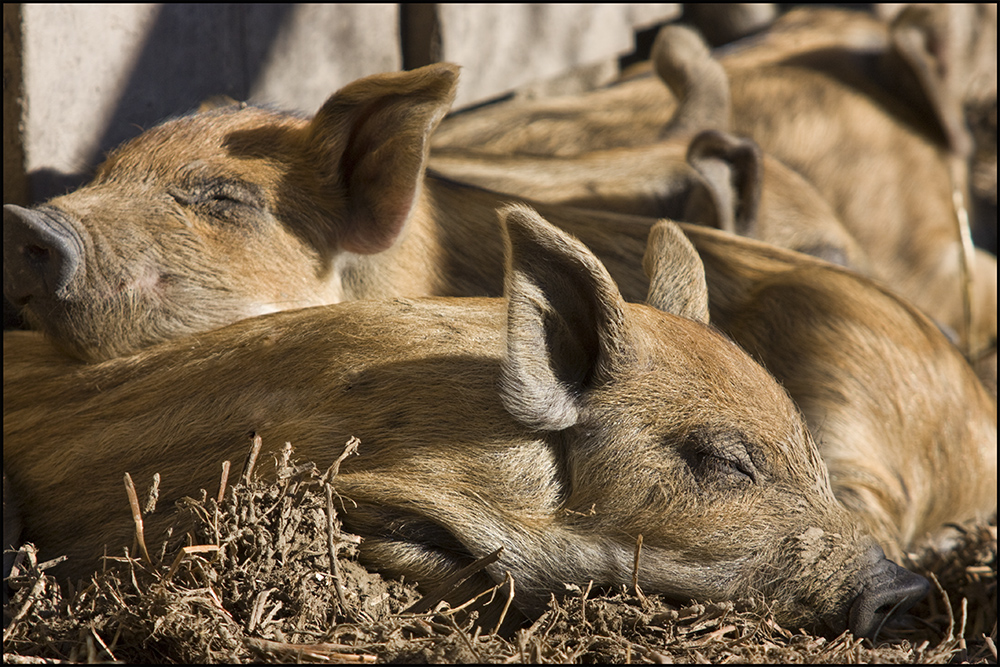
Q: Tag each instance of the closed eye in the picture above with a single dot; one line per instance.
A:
(227, 200)
(222, 190)
(714, 457)
(732, 466)
(230, 193)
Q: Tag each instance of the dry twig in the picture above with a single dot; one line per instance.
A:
(430, 600)
(251, 461)
(133, 501)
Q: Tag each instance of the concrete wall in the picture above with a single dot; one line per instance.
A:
(503, 46)
(80, 79)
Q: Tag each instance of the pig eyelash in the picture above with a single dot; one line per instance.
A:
(221, 191)
(181, 197)
(736, 467)
(708, 455)
(229, 196)
(710, 471)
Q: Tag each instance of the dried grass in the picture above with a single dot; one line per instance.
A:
(253, 581)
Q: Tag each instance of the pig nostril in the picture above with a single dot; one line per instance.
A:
(891, 590)
(36, 254)
(43, 253)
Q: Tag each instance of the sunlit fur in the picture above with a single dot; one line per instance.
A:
(663, 409)
(285, 258)
(905, 427)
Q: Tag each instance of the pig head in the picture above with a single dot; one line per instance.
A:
(228, 214)
(907, 430)
(559, 423)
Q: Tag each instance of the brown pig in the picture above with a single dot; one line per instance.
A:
(692, 170)
(890, 180)
(223, 215)
(714, 178)
(559, 423)
(865, 111)
(633, 111)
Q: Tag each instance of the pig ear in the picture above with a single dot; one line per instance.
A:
(216, 102)
(684, 62)
(676, 275)
(732, 170)
(566, 329)
(369, 145)
(923, 38)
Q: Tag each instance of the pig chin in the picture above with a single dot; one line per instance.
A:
(97, 329)
(834, 584)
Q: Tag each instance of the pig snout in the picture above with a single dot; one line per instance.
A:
(888, 590)
(42, 253)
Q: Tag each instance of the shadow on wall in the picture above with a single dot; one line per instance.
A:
(191, 52)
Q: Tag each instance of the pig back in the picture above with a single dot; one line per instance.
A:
(313, 377)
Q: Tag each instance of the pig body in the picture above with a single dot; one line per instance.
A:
(559, 423)
(868, 113)
(713, 179)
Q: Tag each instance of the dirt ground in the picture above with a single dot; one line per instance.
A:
(249, 579)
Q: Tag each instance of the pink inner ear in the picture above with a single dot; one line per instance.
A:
(374, 229)
(380, 127)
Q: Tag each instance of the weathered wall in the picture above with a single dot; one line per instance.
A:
(503, 46)
(15, 184)
(80, 79)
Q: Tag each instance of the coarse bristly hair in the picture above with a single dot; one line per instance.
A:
(675, 434)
